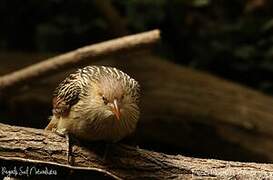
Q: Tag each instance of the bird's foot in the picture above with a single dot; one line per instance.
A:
(64, 133)
(68, 150)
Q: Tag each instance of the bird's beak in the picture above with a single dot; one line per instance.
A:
(116, 109)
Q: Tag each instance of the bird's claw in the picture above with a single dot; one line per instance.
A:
(63, 132)
(68, 150)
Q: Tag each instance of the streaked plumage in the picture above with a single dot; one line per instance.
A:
(96, 103)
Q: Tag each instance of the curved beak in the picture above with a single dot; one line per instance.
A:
(115, 109)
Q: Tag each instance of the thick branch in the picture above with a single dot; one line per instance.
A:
(73, 58)
(26, 145)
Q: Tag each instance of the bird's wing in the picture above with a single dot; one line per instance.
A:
(66, 95)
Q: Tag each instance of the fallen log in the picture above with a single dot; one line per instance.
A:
(29, 147)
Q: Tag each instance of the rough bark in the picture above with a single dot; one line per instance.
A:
(19, 145)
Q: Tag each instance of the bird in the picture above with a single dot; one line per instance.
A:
(96, 103)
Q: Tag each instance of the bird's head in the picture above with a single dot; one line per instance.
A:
(112, 96)
(116, 96)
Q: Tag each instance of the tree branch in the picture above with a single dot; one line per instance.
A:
(34, 146)
(79, 56)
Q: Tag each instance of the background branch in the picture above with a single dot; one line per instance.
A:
(73, 58)
(27, 145)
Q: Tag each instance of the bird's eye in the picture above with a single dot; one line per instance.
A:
(105, 100)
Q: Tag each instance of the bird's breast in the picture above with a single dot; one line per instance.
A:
(108, 129)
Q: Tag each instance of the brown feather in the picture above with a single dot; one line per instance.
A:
(82, 104)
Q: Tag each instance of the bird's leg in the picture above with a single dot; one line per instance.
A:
(64, 133)
(69, 149)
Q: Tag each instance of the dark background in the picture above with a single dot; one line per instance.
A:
(232, 39)
(228, 38)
